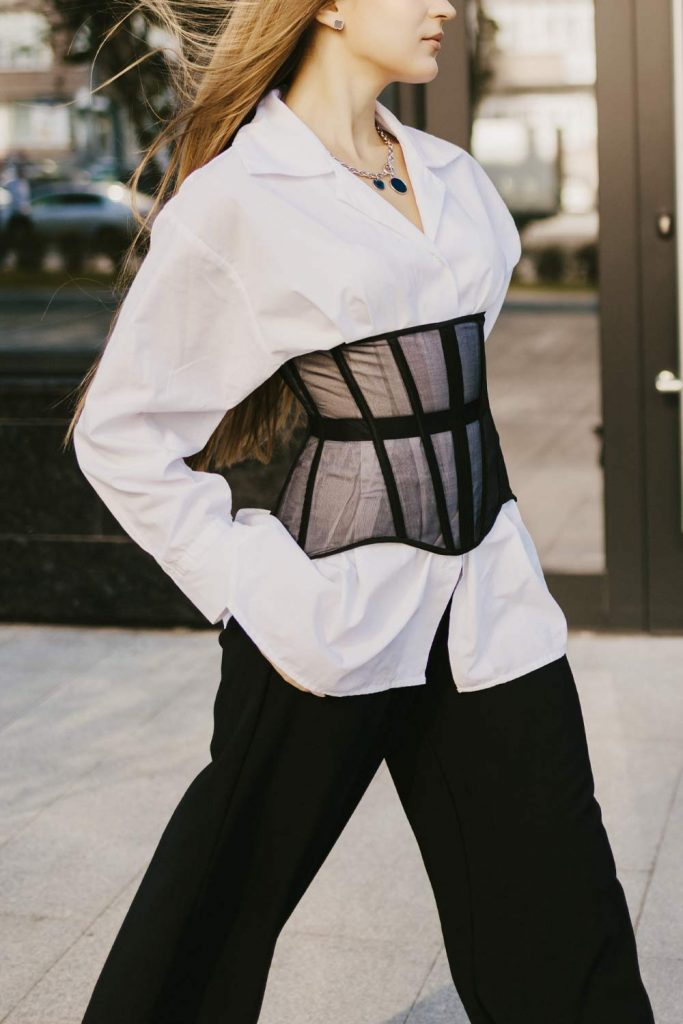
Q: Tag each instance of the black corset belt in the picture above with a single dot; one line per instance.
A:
(389, 427)
(421, 462)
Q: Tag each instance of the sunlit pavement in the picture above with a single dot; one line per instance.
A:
(102, 732)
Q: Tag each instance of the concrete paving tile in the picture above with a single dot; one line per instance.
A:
(81, 850)
(60, 995)
(30, 945)
(92, 716)
(632, 700)
(373, 883)
(69, 649)
(663, 980)
(7, 632)
(317, 978)
(631, 685)
(65, 651)
(124, 740)
(175, 741)
(634, 784)
(661, 923)
(349, 899)
(635, 885)
(105, 827)
(438, 1001)
(38, 660)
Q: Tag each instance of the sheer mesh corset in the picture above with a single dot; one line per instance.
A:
(400, 442)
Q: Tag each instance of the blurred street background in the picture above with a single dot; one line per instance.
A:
(107, 673)
(514, 94)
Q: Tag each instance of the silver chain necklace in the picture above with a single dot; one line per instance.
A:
(398, 184)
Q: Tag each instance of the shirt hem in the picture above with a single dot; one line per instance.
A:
(380, 687)
(506, 677)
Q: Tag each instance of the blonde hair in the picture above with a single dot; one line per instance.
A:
(226, 59)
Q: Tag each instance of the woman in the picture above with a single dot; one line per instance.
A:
(319, 257)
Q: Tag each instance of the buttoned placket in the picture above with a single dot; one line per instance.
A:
(430, 197)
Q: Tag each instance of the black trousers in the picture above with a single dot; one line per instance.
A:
(498, 788)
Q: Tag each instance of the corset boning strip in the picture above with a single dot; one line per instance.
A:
(387, 473)
(461, 448)
(484, 399)
(430, 454)
(400, 442)
(302, 393)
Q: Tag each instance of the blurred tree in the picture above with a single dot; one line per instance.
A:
(482, 32)
(78, 28)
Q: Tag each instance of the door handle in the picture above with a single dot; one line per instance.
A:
(665, 224)
(668, 383)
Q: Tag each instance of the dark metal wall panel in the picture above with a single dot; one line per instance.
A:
(620, 312)
(658, 336)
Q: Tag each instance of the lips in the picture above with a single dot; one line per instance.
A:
(435, 38)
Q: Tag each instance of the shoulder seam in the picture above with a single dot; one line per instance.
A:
(168, 212)
(232, 271)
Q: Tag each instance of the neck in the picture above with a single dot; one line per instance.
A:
(343, 117)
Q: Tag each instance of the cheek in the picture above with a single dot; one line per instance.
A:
(388, 31)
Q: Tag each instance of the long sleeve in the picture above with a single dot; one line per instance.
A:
(506, 233)
(501, 218)
(184, 350)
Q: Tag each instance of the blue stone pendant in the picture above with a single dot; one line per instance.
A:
(398, 184)
(378, 183)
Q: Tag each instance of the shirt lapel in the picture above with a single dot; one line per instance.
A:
(277, 141)
(428, 188)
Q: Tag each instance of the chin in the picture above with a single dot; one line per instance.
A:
(421, 76)
(428, 74)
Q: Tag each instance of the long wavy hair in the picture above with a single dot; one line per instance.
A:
(225, 57)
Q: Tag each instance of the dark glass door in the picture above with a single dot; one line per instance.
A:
(659, 71)
(585, 143)
(534, 128)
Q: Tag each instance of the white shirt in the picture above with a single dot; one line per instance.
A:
(273, 249)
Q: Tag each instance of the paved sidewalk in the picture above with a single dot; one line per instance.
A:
(102, 732)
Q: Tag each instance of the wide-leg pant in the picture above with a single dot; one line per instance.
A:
(498, 788)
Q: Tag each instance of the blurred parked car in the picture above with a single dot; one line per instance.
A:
(106, 168)
(79, 220)
(563, 247)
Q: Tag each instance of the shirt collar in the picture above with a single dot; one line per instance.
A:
(277, 141)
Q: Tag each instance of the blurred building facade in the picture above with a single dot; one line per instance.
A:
(535, 128)
(575, 109)
(48, 113)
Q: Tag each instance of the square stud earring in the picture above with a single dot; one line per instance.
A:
(338, 23)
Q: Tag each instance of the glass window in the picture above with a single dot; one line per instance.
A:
(534, 129)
